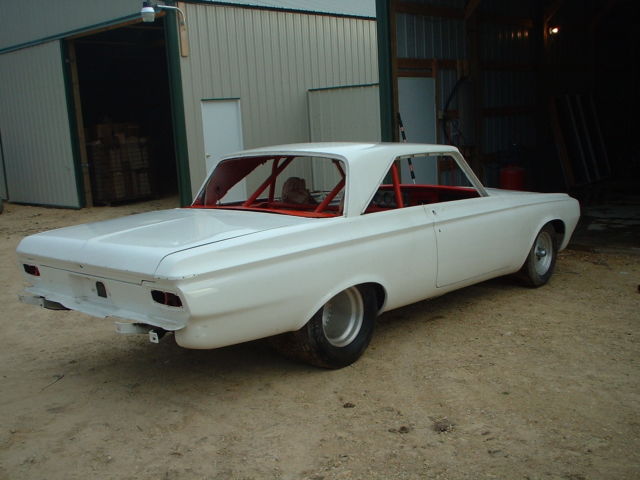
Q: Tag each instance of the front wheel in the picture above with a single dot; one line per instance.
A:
(338, 334)
(541, 261)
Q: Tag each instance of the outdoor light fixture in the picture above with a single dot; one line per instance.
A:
(554, 30)
(148, 12)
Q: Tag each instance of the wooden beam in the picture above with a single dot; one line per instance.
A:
(507, 67)
(182, 29)
(470, 8)
(551, 11)
(428, 10)
(473, 111)
(505, 20)
(425, 64)
(507, 111)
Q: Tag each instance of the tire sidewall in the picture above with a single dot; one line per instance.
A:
(338, 357)
(534, 277)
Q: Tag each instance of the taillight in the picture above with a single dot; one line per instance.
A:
(166, 298)
(31, 270)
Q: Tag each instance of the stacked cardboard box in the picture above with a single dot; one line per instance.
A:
(119, 163)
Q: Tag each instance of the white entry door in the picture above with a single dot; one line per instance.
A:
(417, 105)
(222, 129)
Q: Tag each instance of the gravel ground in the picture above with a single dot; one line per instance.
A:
(492, 381)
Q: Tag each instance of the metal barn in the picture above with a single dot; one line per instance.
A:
(98, 107)
(537, 93)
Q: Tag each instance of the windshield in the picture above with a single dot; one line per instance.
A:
(290, 185)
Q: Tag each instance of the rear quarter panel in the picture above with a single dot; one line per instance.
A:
(273, 282)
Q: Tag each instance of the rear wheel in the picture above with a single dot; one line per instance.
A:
(338, 334)
(541, 261)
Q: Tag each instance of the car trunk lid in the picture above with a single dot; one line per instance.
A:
(137, 243)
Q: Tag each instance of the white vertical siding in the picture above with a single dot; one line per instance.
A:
(39, 164)
(3, 183)
(269, 60)
(349, 114)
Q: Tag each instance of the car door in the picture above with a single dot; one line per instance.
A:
(474, 237)
(399, 246)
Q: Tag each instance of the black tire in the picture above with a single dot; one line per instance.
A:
(541, 261)
(338, 334)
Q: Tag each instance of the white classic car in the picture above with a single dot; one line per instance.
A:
(308, 242)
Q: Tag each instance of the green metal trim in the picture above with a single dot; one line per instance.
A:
(384, 70)
(73, 125)
(4, 170)
(363, 85)
(177, 109)
(279, 9)
(69, 33)
(219, 99)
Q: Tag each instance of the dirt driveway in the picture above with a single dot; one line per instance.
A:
(494, 381)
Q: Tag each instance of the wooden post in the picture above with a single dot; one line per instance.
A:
(475, 77)
(182, 29)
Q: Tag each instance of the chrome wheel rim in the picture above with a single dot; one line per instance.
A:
(543, 253)
(342, 317)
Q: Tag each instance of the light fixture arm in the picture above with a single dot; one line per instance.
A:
(183, 19)
(149, 10)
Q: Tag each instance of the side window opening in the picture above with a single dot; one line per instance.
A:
(291, 185)
(438, 178)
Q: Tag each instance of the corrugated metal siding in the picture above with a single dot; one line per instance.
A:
(28, 20)
(501, 134)
(350, 114)
(506, 43)
(447, 80)
(3, 183)
(430, 37)
(509, 89)
(39, 166)
(269, 60)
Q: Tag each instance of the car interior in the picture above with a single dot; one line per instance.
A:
(291, 190)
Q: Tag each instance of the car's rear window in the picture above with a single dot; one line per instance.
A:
(291, 185)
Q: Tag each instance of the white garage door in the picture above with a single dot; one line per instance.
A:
(34, 125)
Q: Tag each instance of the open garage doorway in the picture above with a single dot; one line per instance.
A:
(121, 89)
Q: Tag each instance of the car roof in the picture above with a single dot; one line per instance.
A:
(351, 151)
(366, 163)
